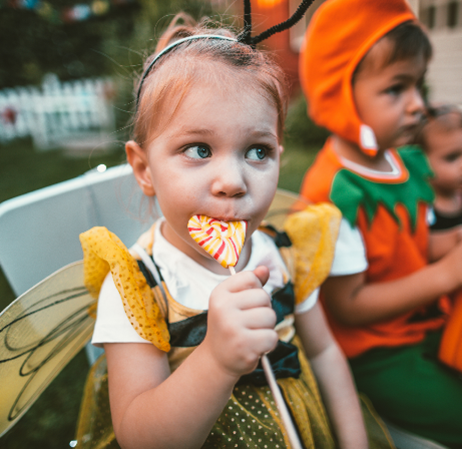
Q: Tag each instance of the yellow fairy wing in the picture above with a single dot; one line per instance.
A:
(40, 332)
(313, 232)
(103, 252)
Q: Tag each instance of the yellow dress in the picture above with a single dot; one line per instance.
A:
(250, 419)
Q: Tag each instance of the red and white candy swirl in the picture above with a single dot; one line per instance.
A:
(223, 240)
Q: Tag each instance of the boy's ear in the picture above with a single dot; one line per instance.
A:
(281, 149)
(137, 158)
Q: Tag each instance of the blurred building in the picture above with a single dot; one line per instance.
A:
(443, 19)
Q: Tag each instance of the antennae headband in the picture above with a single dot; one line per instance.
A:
(244, 38)
(169, 48)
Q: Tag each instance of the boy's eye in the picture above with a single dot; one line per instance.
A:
(198, 152)
(257, 153)
(395, 90)
(452, 157)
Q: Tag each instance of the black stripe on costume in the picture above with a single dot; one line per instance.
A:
(189, 332)
(281, 239)
(283, 301)
(284, 361)
(147, 274)
(443, 222)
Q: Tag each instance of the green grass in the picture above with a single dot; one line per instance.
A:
(51, 420)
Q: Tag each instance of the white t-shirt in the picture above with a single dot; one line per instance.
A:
(193, 288)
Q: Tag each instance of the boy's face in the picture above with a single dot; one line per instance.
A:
(218, 156)
(444, 151)
(388, 97)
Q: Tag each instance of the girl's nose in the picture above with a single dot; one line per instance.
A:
(228, 179)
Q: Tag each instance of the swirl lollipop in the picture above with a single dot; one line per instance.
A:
(224, 241)
(221, 239)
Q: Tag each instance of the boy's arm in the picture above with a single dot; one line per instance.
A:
(354, 302)
(334, 378)
(441, 242)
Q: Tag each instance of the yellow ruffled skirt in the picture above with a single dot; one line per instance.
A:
(250, 419)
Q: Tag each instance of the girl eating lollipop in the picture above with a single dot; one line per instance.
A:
(183, 339)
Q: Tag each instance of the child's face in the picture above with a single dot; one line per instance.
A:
(444, 151)
(217, 156)
(388, 97)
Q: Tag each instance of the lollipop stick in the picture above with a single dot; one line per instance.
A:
(277, 395)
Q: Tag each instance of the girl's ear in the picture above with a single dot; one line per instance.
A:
(137, 158)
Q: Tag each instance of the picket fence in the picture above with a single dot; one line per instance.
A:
(58, 111)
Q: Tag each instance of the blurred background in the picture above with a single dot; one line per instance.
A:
(66, 79)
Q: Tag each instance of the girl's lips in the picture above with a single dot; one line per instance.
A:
(225, 218)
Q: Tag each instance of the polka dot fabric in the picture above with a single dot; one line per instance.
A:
(251, 418)
(103, 252)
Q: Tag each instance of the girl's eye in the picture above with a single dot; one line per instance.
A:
(198, 152)
(257, 153)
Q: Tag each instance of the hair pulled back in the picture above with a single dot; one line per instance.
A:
(408, 40)
(226, 62)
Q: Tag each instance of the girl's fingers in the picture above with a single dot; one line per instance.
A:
(259, 318)
(246, 280)
(250, 299)
(263, 341)
(262, 273)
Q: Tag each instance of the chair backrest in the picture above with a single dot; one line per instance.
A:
(39, 230)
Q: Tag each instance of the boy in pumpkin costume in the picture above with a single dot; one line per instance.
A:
(362, 67)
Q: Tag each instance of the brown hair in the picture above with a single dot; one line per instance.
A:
(408, 40)
(173, 75)
(447, 118)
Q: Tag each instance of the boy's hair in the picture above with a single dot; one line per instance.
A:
(338, 38)
(227, 62)
(446, 118)
(408, 41)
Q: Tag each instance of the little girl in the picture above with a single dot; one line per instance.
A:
(184, 343)
(441, 139)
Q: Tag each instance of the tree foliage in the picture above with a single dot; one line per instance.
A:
(32, 45)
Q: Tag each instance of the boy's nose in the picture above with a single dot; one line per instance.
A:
(416, 102)
(229, 179)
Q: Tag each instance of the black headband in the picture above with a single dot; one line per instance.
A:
(170, 47)
(244, 38)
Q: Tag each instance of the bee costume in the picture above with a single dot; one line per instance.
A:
(250, 418)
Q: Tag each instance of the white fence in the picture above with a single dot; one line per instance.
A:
(58, 112)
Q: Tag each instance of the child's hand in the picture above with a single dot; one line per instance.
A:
(452, 267)
(241, 322)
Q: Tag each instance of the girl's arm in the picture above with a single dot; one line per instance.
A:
(441, 242)
(152, 408)
(334, 378)
(354, 302)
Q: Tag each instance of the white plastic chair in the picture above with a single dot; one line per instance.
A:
(39, 230)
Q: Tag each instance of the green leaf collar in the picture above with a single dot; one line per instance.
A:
(350, 191)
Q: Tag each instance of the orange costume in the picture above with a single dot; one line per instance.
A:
(393, 361)
(390, 211)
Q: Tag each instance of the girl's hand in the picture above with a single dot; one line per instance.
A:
(241, 322)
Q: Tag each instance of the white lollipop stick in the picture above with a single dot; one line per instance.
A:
(277, 395)
(224, 242)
